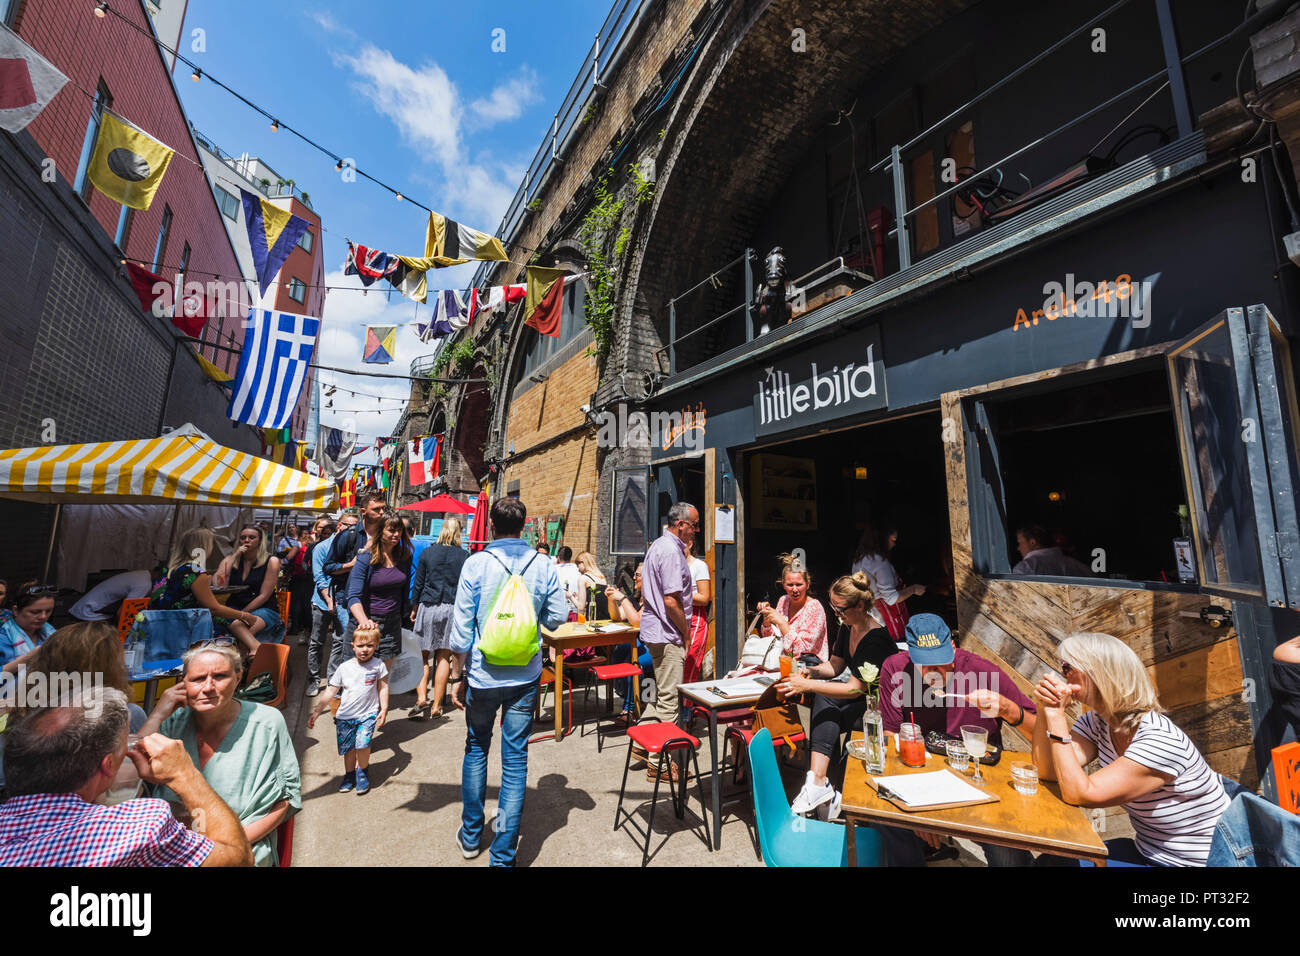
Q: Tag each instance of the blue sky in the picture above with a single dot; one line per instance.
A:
(415, 94)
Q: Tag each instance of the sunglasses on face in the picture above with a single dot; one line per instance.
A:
(1067, 670)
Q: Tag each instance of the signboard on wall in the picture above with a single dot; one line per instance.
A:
(834, 379)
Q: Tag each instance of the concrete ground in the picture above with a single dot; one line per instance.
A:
(412, 811)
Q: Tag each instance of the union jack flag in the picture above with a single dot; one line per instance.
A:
(369, 264)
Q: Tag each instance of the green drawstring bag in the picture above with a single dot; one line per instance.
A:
(509, 638)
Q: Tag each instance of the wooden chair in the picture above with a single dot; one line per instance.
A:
(126, 616)
(275, 659)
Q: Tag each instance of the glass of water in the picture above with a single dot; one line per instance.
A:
(1024, 777)
(958, 758)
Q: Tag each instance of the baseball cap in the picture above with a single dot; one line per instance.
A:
(929, 642)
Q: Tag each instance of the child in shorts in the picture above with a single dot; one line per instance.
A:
(363, 707)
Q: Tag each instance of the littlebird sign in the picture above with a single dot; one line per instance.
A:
(819, 385)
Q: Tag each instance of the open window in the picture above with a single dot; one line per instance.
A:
(1234, 399)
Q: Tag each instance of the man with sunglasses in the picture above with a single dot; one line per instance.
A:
(666, 590)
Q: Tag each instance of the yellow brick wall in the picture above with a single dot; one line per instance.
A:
(560, 478)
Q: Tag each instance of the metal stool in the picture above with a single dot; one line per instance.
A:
(662, 739)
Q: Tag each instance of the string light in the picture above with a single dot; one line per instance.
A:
(275, 126)
(338, 167)
(196, 75)
(102, 9)
(399, 197)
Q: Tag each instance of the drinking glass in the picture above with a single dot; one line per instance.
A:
(976, 739)
(787, 664)
(958, 758)
(911, 745)
(1024, 777)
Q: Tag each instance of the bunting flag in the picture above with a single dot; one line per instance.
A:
(348, 492)
(128, 164)
(212, 372)
(500, 296)
(361, 450)
(383, 479)
(381, 343)
(28, 81)
(272, 367)
(369, 264)
(422, 459)
(545, 300)
(145, 284)
(449, 243)
(334, 450)
(272, 234)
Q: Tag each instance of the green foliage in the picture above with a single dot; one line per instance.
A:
(662, 131)
(620, 244)
(535, 205)
(594, 234)
(645, 190)
(590, 112)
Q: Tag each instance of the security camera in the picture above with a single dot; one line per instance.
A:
(584, 409)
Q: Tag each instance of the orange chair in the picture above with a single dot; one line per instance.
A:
(126, 616)
(282, 603)
(275, 659)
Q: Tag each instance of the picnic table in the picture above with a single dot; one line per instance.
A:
(1042, 822)
(575, 634)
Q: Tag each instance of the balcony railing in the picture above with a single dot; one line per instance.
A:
(998, 214)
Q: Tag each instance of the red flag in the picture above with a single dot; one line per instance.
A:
(545, 300)
(190, 318)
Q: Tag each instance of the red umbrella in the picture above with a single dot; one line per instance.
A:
(442, 504)
(478, 529)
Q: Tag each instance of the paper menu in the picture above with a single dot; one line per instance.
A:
(939, 787)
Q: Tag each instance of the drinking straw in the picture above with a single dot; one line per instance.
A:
(911, 715)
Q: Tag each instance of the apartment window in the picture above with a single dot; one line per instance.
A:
(297, 290)
(103, 101)
(10, 11)
(164, 230)
(228, 204)
(306, 241)
(123, 227)
(540, 348)
(185, 260)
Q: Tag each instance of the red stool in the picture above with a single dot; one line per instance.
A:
(605, 673)
(662, 738)
(741, 736)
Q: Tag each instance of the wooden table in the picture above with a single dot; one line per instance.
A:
(150, 675)
(1043, 822)
(700, 695)
(574, 635)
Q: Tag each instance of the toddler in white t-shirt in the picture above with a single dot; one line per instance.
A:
(363, 707)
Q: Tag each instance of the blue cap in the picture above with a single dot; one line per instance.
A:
(929, 642)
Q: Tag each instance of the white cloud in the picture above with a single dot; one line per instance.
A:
(508, 100)
(429, 112)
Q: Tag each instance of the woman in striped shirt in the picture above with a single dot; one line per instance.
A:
(1148, 765)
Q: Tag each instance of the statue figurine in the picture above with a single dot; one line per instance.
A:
(770, 296)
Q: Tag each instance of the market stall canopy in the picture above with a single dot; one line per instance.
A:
(182, 466)
(442, 504)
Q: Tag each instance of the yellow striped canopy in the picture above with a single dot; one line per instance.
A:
(182, 466)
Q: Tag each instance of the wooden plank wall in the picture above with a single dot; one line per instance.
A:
(1018, 625)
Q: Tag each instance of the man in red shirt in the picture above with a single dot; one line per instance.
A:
(60, 760)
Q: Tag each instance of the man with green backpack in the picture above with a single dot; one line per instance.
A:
(505, 592)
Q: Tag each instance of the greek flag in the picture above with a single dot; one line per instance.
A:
(272, 367)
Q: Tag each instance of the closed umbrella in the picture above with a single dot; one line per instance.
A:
(478, 529)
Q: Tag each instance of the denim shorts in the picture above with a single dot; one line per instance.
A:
(354, 734)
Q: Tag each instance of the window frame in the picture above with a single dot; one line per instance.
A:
(82, 185)
(164, 234)
(311, 241)
(300, 285)
(125, 219)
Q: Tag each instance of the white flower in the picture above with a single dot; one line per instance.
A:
(869, 673)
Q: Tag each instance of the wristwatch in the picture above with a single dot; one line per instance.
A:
(1067, 739)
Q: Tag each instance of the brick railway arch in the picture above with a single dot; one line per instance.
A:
(736, 133)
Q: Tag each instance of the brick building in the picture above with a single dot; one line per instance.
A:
(83, 362)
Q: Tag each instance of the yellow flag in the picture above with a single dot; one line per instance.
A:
(128, 164)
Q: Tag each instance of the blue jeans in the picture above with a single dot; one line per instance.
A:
(273, 633)
(905, 848)
(481, 706)
(342, 647)
(322, 622)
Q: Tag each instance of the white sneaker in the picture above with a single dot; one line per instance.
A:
(830, 810)
(812, 796)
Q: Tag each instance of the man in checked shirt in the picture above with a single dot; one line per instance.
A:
(60, 760)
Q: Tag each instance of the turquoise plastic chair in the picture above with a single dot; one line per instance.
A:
(790, 840)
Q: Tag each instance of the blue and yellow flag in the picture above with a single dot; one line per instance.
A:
(272, 234)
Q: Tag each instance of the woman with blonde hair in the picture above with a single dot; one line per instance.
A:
(861, 646)
(188, 585)
(798, 617)
(437, 574)
(255, 569)
(1148, 765)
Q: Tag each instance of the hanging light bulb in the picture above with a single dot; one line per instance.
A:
(275, 126)
(196, 75)
(338, 167)
(101, 10)
(399, 197)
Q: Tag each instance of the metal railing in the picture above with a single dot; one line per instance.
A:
(1174, 81)
(600, 65)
